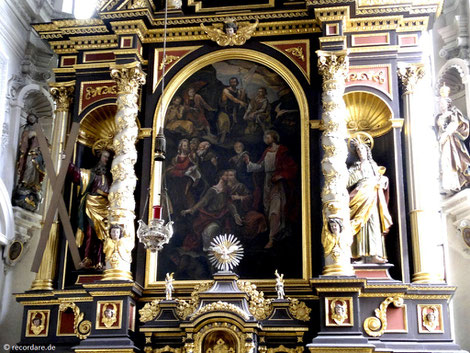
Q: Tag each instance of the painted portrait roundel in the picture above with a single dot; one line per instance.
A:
(233, 167)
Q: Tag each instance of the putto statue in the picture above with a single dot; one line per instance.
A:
(370, 217)
(30, 168)
(453, 130)
(279, 285)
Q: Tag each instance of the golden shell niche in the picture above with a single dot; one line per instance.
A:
(98, 127)
(367, 112)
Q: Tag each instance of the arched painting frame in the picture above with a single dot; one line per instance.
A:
(247, 59)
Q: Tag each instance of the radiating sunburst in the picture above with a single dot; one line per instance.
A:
(225, 252)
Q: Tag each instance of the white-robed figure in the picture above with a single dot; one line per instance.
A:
(370, 218)
(169, 286)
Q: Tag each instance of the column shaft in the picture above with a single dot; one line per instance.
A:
(62, 94)
(129, 77)
(333, 66)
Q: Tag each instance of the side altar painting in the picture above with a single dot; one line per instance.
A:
(233, 166)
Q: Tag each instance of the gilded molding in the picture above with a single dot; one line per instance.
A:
(81, 327)
(282, 348)
(62, 93)
(150, 311)
(219, 306)
(376, 326)
(410, 75)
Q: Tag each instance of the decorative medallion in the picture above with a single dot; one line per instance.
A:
(339, 311)
(430, 318)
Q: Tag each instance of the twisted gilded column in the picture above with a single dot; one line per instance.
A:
(336, 232)
(422, 173)
(129, 77)
(63, 94)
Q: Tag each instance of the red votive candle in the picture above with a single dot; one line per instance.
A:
(157, 212)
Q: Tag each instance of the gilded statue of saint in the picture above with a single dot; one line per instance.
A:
(30, 168)
(453, 130)
(370, 217)
(93, 209)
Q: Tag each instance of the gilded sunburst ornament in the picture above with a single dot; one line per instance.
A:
(225, 252)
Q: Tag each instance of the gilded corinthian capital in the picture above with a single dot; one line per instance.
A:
(62, 92)
(129, 77)
(333, 65)
(409, 75)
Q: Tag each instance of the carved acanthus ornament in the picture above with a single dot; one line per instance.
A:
(220, 306)
(378, 77)
(149, 311)
(259, 307)
(299, 309)
(81, 327)
(63, 95)
(184, 308)
(410, 76)
(376, 326)
(333, 66)
(129, 77)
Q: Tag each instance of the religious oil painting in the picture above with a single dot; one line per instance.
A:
(233, 167)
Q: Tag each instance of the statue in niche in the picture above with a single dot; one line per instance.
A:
(93, 209)
(453, 130)
(30, 169)
(368, 198)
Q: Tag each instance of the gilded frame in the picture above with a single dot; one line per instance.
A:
(150, 281)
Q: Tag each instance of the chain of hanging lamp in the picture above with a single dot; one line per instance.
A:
(157, 234)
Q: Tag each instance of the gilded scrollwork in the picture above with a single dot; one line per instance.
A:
(81, 327)
(375, 326)
(297, 52)
(92, 92)
(168, 59)
(149, 311)
(299, 309)
(167, 348)
(259, 306)
(410, 75)
(184, 308)
(220, 306)
(378, 77)
(282, 348)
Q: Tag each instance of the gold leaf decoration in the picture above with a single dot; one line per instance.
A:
(367, 112)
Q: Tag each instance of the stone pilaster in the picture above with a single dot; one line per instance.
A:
(421, 180)
(333, 66)
(63, 95)
(129, 77)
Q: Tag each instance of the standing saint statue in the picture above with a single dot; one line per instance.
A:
(279, 285)
(30, 168)
(93, 209)
(169, 286)
(453, 130)
(370, 217)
